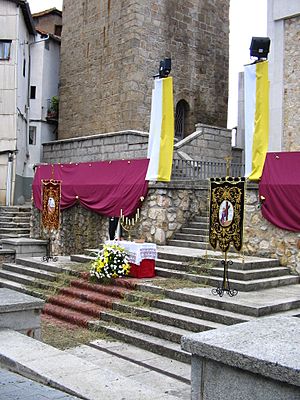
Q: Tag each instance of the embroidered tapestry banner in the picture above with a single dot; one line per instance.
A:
(226, 218)
(51, 190)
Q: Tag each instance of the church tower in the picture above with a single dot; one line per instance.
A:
(112, 48)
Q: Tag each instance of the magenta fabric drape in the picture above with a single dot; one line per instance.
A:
(105, 187)
(280, 186)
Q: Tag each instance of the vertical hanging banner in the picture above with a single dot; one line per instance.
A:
(51, 192)
(226, 218)
(161, 135)
(256, 118)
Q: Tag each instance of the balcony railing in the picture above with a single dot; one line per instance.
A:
(200, 170)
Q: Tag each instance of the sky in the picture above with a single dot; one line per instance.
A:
(247, 18)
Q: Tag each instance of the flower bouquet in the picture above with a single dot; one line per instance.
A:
(109, 263)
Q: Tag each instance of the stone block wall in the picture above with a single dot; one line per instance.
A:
(261, 238)
(110, 51)
(166, 208)
(109, 146)
(207, 143)
(291, 97)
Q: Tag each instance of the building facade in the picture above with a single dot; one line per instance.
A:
(111, 50)
(29, 76)
(16, 34)
(284, 32)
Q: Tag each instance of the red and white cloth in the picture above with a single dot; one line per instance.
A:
(137, 252)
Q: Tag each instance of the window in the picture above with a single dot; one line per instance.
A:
(181, 116)
(5, 46)
(32, 135)
(32, 92)
(24, 67)
(57, 30)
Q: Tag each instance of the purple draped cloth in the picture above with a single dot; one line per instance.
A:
(280, 186)
(105, 187)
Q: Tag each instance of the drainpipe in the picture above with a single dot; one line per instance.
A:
(9, 179)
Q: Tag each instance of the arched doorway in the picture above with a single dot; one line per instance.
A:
(181, 116)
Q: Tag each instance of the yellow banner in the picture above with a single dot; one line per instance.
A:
(261, 123)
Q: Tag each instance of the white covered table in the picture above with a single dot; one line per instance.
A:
(141, 256)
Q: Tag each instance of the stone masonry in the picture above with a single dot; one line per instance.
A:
(291, 101)
(111, 50)
(166, 208)
(207, 143)
(261, 238)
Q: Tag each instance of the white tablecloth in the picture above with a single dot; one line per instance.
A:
(137, 251)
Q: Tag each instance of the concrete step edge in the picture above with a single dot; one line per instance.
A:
(114, 352)
(33, 272)
(168, 316)
(150, 343)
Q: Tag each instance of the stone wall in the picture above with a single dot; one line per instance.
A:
(208, 143)
(166, 208)
(109, 146)
(111, 50)
(291, 100)
(264, 239)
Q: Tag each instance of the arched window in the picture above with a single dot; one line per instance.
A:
(181, 115)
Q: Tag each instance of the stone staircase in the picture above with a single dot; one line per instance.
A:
(142, 312)
(15, 222)
(194, 234)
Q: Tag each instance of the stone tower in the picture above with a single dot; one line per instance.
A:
(111, 49)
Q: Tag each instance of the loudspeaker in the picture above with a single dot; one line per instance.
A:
(260, 47)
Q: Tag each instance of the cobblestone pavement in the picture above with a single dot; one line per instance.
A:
(16, 387)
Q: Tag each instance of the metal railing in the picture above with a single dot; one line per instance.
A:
(199, 170)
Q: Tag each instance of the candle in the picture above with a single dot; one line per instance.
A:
(121, 212)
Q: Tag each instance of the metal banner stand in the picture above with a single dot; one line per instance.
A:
(49, 257)
(225, 287)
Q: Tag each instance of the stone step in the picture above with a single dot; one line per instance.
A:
(247, 275)
(25, 207)
(19, 278)
(200, 311)
(156, 329)
(82, 258)
(28, 271)
(189, 244)
(168, 318)
(80, 305)
(19, 220)
(67, 315)
(198, 225)
(37, 263)
(188, 255)
(195, 231)
(207, 270)
(204, 217)
(15, 231)
(22, 214)
(171, 368)
(15, 225)
(155, 345)
(89, 296)
(9, 284)
(13, 236)
(244, 286)
(190, 237)
(201, 219)
(120, 288)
